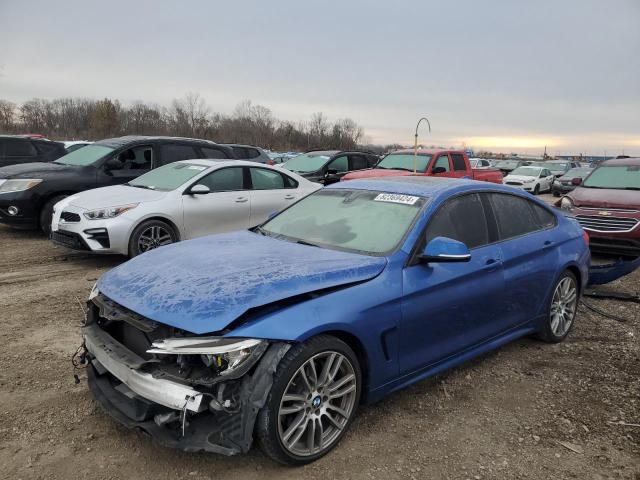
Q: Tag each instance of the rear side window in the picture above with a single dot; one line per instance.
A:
(544, 218)
(240, 153)
(16, 147)
(514, 215)
(172, 153)
(224, 180)
(263, 179)
(461, 218)
(213, 153)
(358, 162)
(253, 153)
(372, 160)
(339, 164)
(458, 162)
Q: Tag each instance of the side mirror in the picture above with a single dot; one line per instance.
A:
(331, 172)
(199, 190)
(443, 249)
(576, 181)
(438, 170)
(112, 164)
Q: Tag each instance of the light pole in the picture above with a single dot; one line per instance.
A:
(415, 143)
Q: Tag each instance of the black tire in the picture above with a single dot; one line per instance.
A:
(267, 426)
(135, 247)
(547, 333)
(536, 189)
(46, 214)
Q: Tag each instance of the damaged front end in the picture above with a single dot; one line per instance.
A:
(195, 393)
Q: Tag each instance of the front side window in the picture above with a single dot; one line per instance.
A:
(405, 161)
(224, 180)
(442, 164)
(458, 162)
(263, 179)
(514, 215)
(461, 218)
(85, 156)
(355, 220)
(625, 177)
(340, 164)
(136, 158)
(168, 177)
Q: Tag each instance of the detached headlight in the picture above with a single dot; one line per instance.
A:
(18, 185)
(566, 203)
(231, 357)
(108, 212)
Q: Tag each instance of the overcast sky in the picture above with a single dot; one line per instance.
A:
(502, 74)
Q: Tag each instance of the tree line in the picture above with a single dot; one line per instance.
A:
(72, 118)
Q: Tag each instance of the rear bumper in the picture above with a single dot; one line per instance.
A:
(562, 189)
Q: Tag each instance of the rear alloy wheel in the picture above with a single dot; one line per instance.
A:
(150, 235)
(562, 310)
(313, 400)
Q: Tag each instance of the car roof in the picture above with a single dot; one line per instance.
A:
(622, 162)
(206, 162)
(122, 141)
(418, 185)
(428, 151)
(239, 145)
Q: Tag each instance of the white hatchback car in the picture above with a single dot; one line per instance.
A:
(178, 201)
(532, 179)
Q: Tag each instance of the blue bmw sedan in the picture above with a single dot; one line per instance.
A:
(279, 333)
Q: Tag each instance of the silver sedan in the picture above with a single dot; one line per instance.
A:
(178, 201)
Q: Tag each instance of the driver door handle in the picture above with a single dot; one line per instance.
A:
(491, 264)
(289, 197)
(241, 199)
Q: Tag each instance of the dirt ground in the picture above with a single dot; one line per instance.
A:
(529, 410)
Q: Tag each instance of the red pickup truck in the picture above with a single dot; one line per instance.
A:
(437, 163)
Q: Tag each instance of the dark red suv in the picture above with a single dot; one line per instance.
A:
(607, 205)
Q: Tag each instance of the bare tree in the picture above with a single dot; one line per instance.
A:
(7, 116)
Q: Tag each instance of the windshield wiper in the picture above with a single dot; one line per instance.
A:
(405, 169)
(139, 186)
(631, 188)
(303, 242)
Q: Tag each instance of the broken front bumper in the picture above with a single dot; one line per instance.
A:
(174, 414)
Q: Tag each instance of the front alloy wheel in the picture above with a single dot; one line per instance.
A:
(314, 397)
(150, 235)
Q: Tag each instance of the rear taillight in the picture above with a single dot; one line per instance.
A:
(585, 237)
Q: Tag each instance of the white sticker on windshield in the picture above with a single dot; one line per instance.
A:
(196, 167)
(396, 198)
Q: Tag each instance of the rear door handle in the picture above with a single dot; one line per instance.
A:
(548, 244)
(289, 197)
(241, 199)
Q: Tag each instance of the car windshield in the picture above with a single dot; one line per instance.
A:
(557, 167)
(527, 171)
(506, 163)
(404, 161)
(577, 172)
(625, 177)
(306, 163)
(361, 221)
(539, 164)
(168, 177)
(85, 156)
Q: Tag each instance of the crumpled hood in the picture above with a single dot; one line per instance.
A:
(376, 172)
(202, 285)
(114, 196)
(605, 198)
(34, 170)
